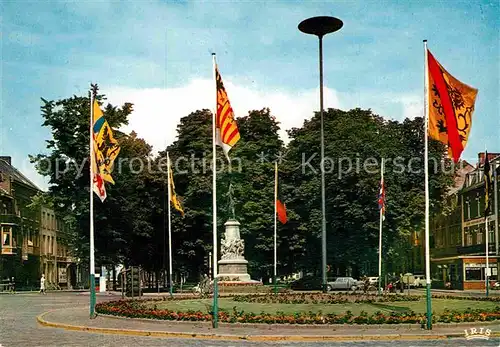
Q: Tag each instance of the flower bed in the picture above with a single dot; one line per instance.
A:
(482, 298)
(136, 309)
(312, 298)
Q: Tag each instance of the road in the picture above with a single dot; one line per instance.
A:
(18, 328)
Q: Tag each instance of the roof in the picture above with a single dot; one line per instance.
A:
(16, 175)
(474, 179)
(460, 177)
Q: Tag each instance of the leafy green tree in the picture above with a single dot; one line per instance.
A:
(355, 142)
(122, 221)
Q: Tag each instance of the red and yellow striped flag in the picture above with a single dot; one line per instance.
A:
(227, 133)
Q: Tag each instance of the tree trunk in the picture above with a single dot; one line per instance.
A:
(114, 278)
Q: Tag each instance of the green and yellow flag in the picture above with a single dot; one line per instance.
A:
(173, 196)
(105, 149)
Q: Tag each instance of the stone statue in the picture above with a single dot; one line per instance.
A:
(232, 248)
(231, 202)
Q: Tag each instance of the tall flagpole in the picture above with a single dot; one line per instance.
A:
(215, 321)
(275, 223)
(487, 250)
(495, 167)
(380, 228)
(91, 176)
(426, 170)
(169, 177)
(487, 272)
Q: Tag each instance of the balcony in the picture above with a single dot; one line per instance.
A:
(8, 250)
(475, 249)
(10, 219)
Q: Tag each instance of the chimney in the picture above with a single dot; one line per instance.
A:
(6, 158)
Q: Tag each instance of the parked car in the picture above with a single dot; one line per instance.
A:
(408, 280)
(309, 282)
(344, 283)
(419, 281)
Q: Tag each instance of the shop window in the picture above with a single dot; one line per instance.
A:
(473, 274)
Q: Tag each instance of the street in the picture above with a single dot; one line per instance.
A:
(18, 327)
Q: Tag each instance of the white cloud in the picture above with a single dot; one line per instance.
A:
(158, 111)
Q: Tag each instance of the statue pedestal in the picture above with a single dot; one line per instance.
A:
(233, 270)
(233, 265)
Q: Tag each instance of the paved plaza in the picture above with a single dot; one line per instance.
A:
(19, 327)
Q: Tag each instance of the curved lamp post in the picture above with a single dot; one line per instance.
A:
(320, 26)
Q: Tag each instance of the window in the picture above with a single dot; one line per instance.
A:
(469, 239)
(479, 237)
(473, 272)
(477, 272)
(478, 206)
(6, 236)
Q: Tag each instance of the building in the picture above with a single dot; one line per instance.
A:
(32, 236)
(55, 259)
(457, 233)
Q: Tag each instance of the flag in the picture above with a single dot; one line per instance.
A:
(105, 150)
(226, 129)
(381, 198)
(280, 206)
(173, 196)
(107, 145)
(487, 186)
(451, 104)
(281, 211)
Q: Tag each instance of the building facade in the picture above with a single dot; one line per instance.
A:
(55, 259)
(458, 233)
(32, 236)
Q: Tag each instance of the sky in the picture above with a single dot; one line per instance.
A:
(157, 55)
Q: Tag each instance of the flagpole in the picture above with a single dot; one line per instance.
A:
(487, 272)
(380, 228)
(495, 167)
(215, 321)
(169, 177)
(92, 260)
(275, 223)
(487, 251)
(426, 172)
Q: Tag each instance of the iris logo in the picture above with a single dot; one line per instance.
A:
(474, 334)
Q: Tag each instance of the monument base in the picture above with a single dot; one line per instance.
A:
(233, 270)
(233, 266)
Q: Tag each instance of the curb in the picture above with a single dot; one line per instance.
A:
(261, 338)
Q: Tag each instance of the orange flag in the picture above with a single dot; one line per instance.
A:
(451, 104)
(227, 133)
(281, 210)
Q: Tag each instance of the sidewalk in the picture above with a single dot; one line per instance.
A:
(78, 319)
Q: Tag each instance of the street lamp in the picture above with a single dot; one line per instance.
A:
(320, 26)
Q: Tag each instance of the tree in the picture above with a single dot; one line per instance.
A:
(122, 221)
(355, 142)
(252, 182)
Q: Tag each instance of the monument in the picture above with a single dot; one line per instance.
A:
(233, 265)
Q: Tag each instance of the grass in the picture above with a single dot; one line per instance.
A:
(438, 306)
